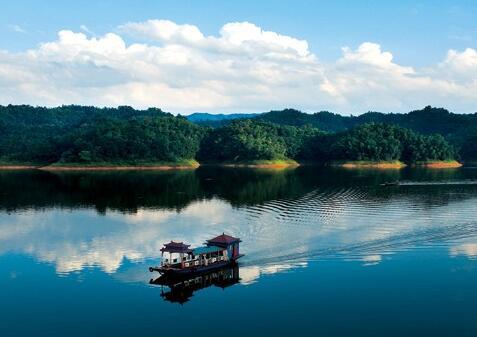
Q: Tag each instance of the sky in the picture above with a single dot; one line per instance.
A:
(241, 56)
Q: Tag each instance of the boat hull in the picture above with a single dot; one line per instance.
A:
(194, 270)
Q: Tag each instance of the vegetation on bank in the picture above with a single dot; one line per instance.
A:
(277, 163)
(439, 164)
(72, 136)
(396, 164)
(183, 163)
(248, 141)
(460, 130)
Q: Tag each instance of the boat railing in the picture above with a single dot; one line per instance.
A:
(188, 263)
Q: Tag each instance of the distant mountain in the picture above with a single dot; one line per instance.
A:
(217, 120)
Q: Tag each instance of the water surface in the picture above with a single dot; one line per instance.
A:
(328, 251)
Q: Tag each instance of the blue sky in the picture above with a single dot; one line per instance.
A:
(419, 34)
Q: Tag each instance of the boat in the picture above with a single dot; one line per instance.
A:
(390, 183)
(178, 258)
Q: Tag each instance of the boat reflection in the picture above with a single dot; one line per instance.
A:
(180, 288)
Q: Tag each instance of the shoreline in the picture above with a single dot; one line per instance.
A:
(382, 165)
(99, 167)
(118, 168)
(439, 164)
(258, 165)
(18, 167)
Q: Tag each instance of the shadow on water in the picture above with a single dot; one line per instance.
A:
(128, 191)
(180, 289)
(100, 231)
(282, 216)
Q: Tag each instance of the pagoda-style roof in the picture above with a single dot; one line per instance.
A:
(223, 239)
(176, 247)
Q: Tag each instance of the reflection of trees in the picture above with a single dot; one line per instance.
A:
(251, 187)
(125, 191)
(129, 190)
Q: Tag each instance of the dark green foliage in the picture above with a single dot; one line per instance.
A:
(249, 140)
(369, 142)
(148, 139)
(240, 141)
(429, 120)
(384, 142)
(466, 143)
(88, 134)
(323, 120)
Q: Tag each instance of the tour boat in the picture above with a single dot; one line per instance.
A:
(390, 183)
(218, 252)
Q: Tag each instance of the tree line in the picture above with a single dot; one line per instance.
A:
(90, 135)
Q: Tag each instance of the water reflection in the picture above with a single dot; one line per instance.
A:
(285, 218)
(180, 289)
(319, 243)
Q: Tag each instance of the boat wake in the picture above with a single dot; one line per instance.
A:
(353, 223)
(358, 251)
(438, 183)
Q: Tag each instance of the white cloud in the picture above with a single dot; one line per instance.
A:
(243, 68)
(164, 30)
(17, 29)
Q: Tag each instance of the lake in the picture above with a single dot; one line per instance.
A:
(328, 252)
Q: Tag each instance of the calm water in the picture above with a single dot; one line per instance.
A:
(328, 252)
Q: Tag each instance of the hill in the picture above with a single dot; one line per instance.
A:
(427, 121)
(126, 136)
(217, 120)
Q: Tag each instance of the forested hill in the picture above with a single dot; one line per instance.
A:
(427, 121)
(458, 129)
(77, 135)
(83, 134)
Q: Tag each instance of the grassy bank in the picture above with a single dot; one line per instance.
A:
(13, 165)
(438, 164)
(278, 163)
(395, 164)
(181, 164)
(177, 165)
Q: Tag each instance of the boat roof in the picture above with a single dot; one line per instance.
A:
(223, 239)
(176, 247)
(206, 250)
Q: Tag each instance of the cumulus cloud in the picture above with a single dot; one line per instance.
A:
(242, 68)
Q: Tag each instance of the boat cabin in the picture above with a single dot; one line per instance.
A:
(218, 251)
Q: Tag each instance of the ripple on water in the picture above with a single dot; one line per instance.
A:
(356, 223)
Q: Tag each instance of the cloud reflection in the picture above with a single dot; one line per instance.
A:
(278, 234)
